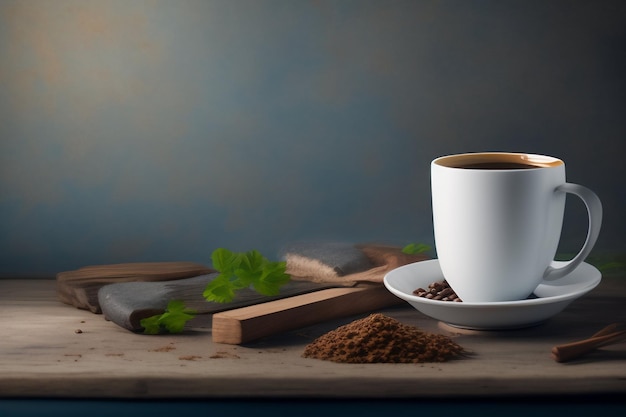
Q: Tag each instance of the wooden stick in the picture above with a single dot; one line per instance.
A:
(246, 324)
(611, 328)
(569, 351)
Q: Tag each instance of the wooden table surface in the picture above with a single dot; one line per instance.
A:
(44, 355)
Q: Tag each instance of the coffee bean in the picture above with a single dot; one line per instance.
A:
(440, 291)
(446, 292)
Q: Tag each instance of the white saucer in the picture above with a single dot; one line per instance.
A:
(552, 298)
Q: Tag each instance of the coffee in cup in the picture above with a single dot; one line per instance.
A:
(497, 219)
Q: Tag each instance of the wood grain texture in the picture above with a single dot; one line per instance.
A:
(42, 355)
(243, 325)
(127, 303)
(80, 287)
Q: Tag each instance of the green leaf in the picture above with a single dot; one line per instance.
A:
(415, 248)
(225, 261)
(220, 290)
(272, 278)
(244, 270)
(250, 267)
(255, 260)
(173, 320)
(151, 324)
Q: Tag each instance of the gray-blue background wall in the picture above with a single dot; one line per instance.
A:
(160, 130)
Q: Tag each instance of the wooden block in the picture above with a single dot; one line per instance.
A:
(246, 324)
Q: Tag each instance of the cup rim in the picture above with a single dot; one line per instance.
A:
(539, 161)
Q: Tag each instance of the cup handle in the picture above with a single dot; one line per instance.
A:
(594, 210)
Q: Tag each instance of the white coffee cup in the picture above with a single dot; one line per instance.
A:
(497, 220)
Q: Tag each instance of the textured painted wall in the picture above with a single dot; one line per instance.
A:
(159, 130)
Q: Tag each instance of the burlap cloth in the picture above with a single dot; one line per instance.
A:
(345, 263)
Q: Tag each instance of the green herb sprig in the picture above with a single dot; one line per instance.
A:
(415, 248)
(244, 270)
(173, 320)
(237, 270)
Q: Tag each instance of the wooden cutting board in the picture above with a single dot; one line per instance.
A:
(80, 287)
(127, 303)
(246, 324)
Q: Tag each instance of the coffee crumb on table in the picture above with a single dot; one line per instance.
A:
(189, 357)
(381, 339)
(165, 348)
(224, 355)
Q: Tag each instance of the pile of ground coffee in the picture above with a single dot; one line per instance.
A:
(381, 339)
